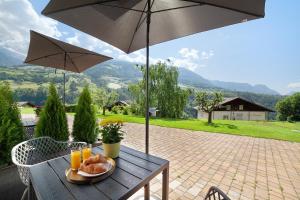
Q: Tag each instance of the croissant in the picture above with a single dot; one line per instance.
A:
(93, 168)
(95, 159)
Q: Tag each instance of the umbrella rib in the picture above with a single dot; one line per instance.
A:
(138, 26)
(121, 7)
(72, 62)
(53, 43)
(74, 7)
(62, 50)
(201, 3)
(170, 9)
(89, 4)
(224, 7)
(28, 61)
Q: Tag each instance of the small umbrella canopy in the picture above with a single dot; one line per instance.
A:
(134, 24)
(123, 23)
(49, 52)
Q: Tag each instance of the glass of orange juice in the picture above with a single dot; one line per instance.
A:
(75, 159)
(86, 152)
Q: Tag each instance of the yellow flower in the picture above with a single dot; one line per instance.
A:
(108, 121)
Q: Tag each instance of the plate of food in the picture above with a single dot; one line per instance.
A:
(94, 166)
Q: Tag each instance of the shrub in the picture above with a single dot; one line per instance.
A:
(53, 119)
(38, 111)
(290, 119)
(116, 109)
(288, 109)
(84, 127)
(134, 109)
(11, 128)
(70, 108)
(125, 111)
(111, 133)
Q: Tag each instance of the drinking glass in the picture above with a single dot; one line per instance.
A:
(75, 158)
(86, 152)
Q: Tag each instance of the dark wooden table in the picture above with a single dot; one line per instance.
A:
(134, 170)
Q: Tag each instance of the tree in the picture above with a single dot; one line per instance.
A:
(84, 127)
(53, 119)
(207, 102)
(289, 108)
(103, 98)
(165, 93)
(11, 128)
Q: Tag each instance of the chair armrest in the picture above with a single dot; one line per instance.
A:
(215, 193)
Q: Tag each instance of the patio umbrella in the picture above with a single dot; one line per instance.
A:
(49, 52)
(134, 24)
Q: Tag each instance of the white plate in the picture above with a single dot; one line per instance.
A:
(107, 166)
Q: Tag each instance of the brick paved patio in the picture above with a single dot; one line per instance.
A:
(243, 167)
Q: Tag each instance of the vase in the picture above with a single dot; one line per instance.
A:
(112, 150)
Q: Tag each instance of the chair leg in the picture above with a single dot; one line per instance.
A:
(25, 195)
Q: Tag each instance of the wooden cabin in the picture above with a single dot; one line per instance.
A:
(237, 109)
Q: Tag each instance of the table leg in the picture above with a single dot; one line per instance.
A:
(165, 189)
(147, 191)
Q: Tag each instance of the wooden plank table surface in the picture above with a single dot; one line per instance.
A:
(134, 170)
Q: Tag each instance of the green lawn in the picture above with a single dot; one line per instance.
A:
(262, 129)
(27, 110)
(272, 129)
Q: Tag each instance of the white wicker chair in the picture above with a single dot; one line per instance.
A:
(37, 150)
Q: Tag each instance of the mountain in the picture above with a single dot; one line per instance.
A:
(118, 74)
(9, 58)
(114, 73)
(245, 87)
(190, 78)
(291, 93)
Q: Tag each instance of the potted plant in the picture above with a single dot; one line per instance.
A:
(111, 135)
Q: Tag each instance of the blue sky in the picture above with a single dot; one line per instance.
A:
(264, 51)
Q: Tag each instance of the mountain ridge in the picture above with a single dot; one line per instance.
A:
(117, 74)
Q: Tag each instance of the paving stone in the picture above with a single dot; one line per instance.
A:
(243, 167)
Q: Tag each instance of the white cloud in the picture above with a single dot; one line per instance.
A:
(189, 53)
(15, 24)
(74, 40)
(108, 51)
(137, 57)
(185, 63)
(206, 55)
(295, 85)
(85, 41)
(190, 58)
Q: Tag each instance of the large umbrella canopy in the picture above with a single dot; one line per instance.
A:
(134, 24)
(49, 52)
(111, 22)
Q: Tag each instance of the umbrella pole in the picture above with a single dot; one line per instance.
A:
(65, 59)
(147, 76)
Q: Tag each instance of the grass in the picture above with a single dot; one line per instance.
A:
(260, 129)
(27, 110)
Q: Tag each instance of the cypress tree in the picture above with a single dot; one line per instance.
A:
(84, 126)
(11, 129)
(53, 119)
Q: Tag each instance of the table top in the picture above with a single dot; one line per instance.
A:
(133, 170)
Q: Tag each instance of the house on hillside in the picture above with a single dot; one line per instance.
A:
(117, 103)
(237, 109)
(22, 104)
